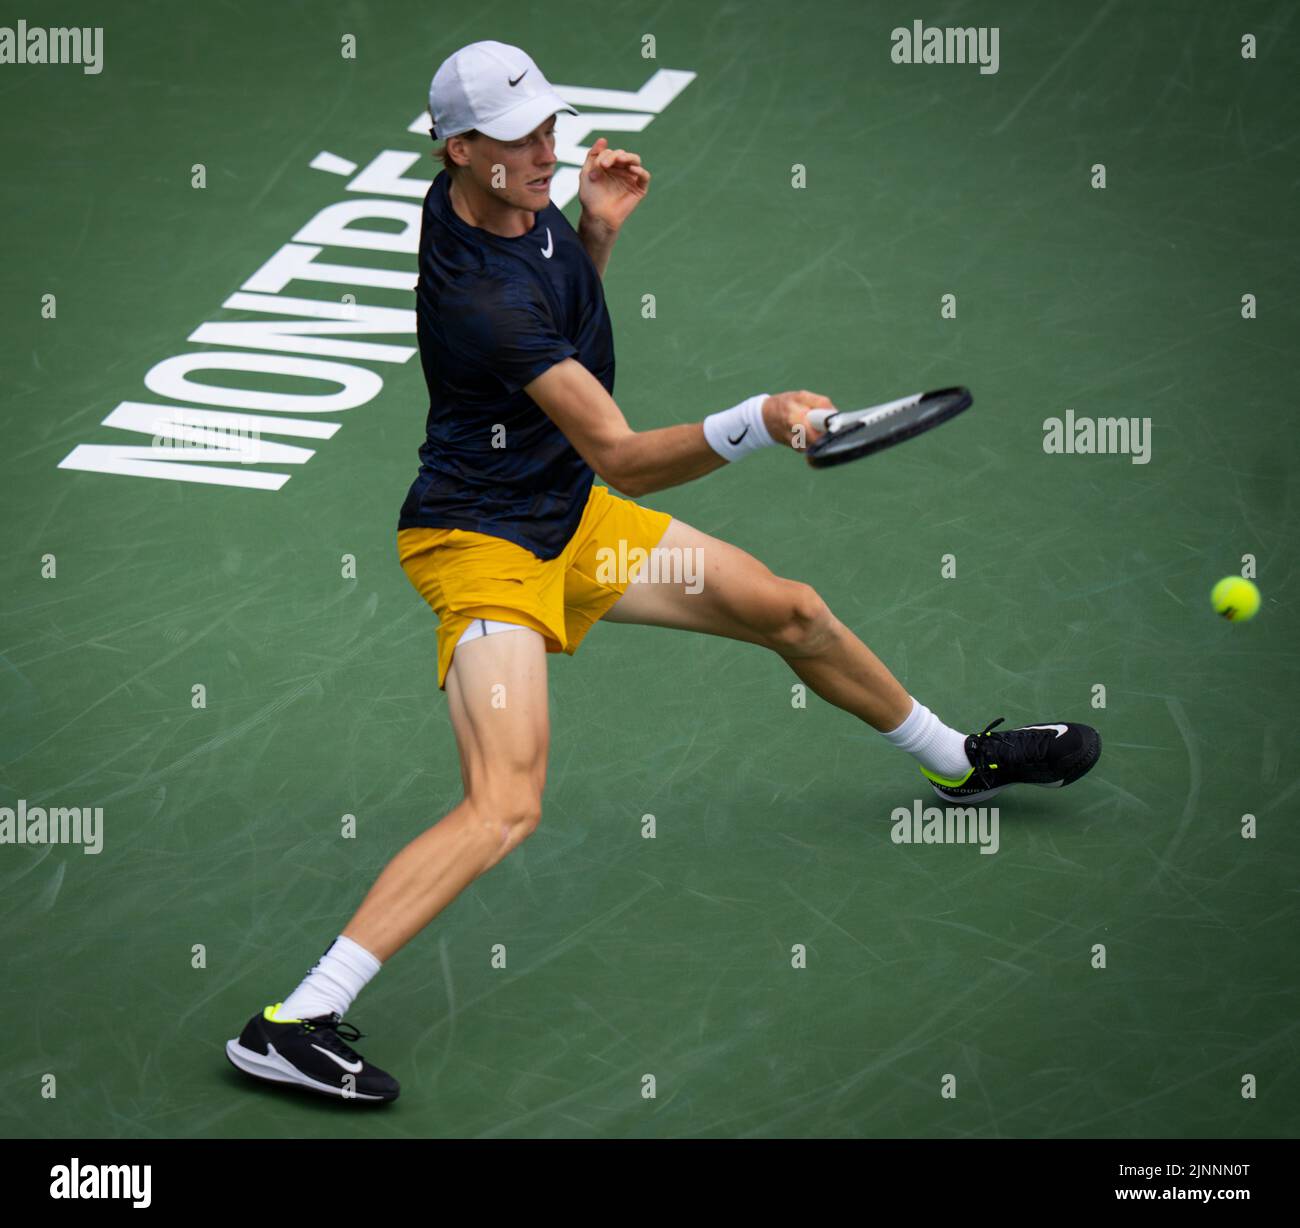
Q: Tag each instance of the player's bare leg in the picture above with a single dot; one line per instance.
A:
(497, 698)
(742, 599)
(496, 692)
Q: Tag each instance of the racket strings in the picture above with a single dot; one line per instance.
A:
(863, 432)
(870, 419)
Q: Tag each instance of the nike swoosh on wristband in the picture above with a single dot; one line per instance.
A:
(350, 1067)
(550, 244)
(1060, 729)
(738, 438)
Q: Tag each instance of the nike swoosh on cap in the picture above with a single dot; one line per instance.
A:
(519, 78)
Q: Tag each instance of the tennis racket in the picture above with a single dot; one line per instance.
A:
(856, 433)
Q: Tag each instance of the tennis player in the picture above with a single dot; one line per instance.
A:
(509, 539)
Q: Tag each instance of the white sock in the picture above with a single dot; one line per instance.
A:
(936, 747)
(333, 984)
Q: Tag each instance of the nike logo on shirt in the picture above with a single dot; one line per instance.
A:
(550, 244)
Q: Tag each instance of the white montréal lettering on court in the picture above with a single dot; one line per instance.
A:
(318, 343)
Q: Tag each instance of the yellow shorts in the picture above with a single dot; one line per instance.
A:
(465, 575)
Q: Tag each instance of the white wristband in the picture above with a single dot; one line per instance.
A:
(737, 431)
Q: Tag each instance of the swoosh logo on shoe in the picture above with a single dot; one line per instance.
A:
(1060, 729)
(350, 1067)
(738, 438)
(550, 246)
(518, 79)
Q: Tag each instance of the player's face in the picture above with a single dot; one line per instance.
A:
(529, 164)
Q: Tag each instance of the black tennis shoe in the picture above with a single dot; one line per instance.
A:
(310, 1053)
(1047, 755)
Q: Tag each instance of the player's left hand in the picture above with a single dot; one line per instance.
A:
(611, 184)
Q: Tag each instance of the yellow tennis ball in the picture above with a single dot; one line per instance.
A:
(1236, 598)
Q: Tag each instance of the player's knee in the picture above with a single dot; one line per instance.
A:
(507, 817)
(807, 624)
(524, 818)
(518, 819)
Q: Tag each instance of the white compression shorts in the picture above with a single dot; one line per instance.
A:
(485, 626)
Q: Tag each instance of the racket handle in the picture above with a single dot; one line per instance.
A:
(818, 418)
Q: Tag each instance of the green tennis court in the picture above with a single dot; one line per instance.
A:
(237, 674)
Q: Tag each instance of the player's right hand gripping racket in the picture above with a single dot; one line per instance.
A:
(860, 432)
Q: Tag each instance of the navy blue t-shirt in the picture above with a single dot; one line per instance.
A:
(492, 314)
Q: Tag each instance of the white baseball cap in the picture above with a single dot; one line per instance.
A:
(494, 88)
